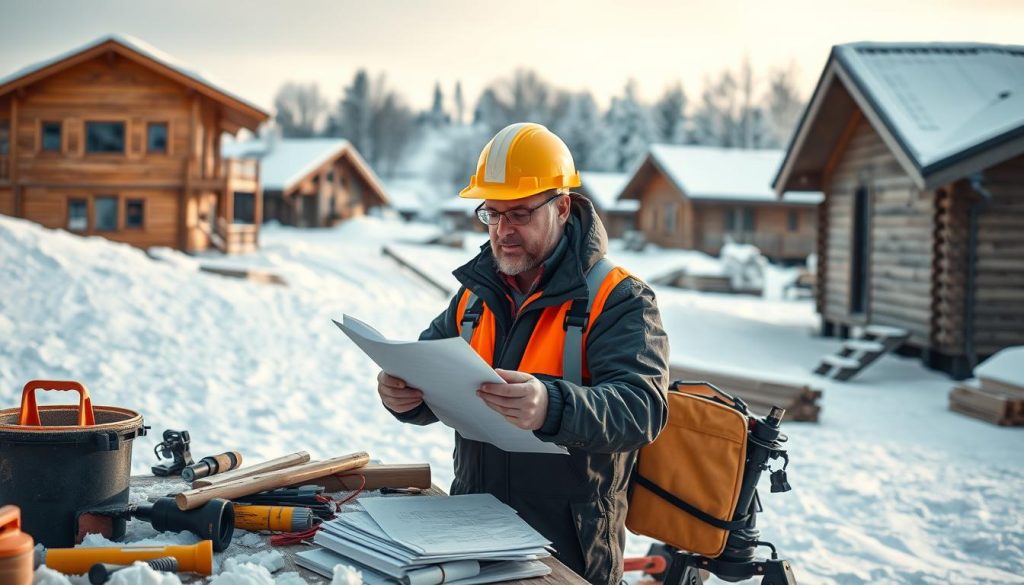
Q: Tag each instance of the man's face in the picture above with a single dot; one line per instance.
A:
(520, 248)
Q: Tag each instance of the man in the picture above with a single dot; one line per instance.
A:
(522, 296)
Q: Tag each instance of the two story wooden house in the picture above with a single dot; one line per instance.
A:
(919, 149)
(118, 139)
(699, 197)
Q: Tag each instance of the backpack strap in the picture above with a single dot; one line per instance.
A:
(470, 318)
(576, 320)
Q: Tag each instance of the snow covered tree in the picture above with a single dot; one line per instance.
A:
(437, 116)
(668, 115)
(782, 106)
(523, 97)
(628, 133)
(299, 109)
(582, 129)
(355, 113)
(460, 104)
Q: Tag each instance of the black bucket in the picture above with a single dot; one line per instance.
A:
(56, 461)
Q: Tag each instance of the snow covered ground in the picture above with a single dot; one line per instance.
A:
(890, 487)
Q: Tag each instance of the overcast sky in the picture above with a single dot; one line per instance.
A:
(253, 46)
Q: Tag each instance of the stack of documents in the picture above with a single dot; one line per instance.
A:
(426, 540)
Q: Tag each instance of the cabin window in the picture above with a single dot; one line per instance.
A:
(739, 219)
(156, 138)
(5, 137)
(104, 210)
(104, 137)
(135, 213)
(51, 141)
(245, 207)
(793, 222)
(671, 213)
(78, 215)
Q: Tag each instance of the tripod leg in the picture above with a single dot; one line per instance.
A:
(682, 572)
(778, 572)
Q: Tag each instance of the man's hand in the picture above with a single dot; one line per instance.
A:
(522, 400)
(396, 395)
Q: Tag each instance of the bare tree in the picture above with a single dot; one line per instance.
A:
(299, 109)
(783, 105)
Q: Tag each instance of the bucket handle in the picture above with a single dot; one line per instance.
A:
(10, 519)
(29, 415)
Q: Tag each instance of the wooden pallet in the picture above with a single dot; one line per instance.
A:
(857, 354)
(992, 405)
(800, 401)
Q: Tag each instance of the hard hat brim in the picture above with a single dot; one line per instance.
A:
(528, 186)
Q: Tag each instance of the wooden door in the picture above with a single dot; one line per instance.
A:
(859, 251)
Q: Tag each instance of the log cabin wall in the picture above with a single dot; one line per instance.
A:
(999, 274)
(771, 233)
(899, 233)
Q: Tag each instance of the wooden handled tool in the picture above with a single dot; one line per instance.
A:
(270, 480)
(271, 465)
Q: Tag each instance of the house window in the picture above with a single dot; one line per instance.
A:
(670, 218)
(245, 207)
(51, 137)
(78, 215)
(156, 138)
(135, 213)
(739, 219)
(793, 221)
(104, 137)
(5, 137)
(748, 219)
(104, 213)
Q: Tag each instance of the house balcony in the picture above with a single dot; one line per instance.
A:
(233, 175)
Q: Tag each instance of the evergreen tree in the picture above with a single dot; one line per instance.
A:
(582, 129)
(460, 104)
(437, 116)
(668, 116)
(629, 132)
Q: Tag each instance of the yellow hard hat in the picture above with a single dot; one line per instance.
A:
(522, 160)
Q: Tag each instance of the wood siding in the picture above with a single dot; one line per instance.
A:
(999, 276)
(900, 239)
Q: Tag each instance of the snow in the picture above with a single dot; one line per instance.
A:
(889, 487)
(1006, 366)
(941, 98)
(286, 161)
(604, 189)
(725, 174)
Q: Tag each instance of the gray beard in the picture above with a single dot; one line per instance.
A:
(512, 268)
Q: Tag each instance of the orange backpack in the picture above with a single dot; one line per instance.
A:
(686, 484)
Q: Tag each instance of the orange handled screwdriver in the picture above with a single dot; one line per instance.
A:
(195, 558)
(274, 518)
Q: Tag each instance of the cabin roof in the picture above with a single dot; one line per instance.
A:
(286, 162)
(144, 53)
(604, 188)
(947, 110)
(712, 173)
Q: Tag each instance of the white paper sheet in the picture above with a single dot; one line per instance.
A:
(448, 372)
(441, 525)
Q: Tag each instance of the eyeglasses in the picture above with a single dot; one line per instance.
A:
(512, 216)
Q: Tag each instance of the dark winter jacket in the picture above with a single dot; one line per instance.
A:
(579, 501)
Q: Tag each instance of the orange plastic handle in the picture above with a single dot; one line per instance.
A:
(29, 415)
(10, 518)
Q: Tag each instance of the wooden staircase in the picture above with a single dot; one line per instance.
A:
(857, 354)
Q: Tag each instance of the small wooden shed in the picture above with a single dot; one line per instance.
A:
(697, 197)
(618, 215)
(919, 150)
(117, 139)
(311, 182)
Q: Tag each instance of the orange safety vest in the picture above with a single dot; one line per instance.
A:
(558, 338)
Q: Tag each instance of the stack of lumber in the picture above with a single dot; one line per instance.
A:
(997, 396)
(760, 394)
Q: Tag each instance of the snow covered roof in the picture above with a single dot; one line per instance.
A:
(936, 105)
(407, 194)
(604, 188)
(722, 174)
(139, 48)
(285, 162)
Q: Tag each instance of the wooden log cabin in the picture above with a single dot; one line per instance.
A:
(919, 150)
(698, 197)
(618, 215)
(311, 182)
(117, 139)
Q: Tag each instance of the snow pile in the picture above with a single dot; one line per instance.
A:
(1006, 366)
(744, 265)
(346, 575)
(890, 487)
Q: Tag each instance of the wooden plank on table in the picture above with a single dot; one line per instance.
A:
(378, 475)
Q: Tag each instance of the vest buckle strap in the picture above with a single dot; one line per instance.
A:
(578, 315)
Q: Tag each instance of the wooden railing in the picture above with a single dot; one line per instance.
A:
(5, 167)
(237, 238)
(244, 169)
(772, 245)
